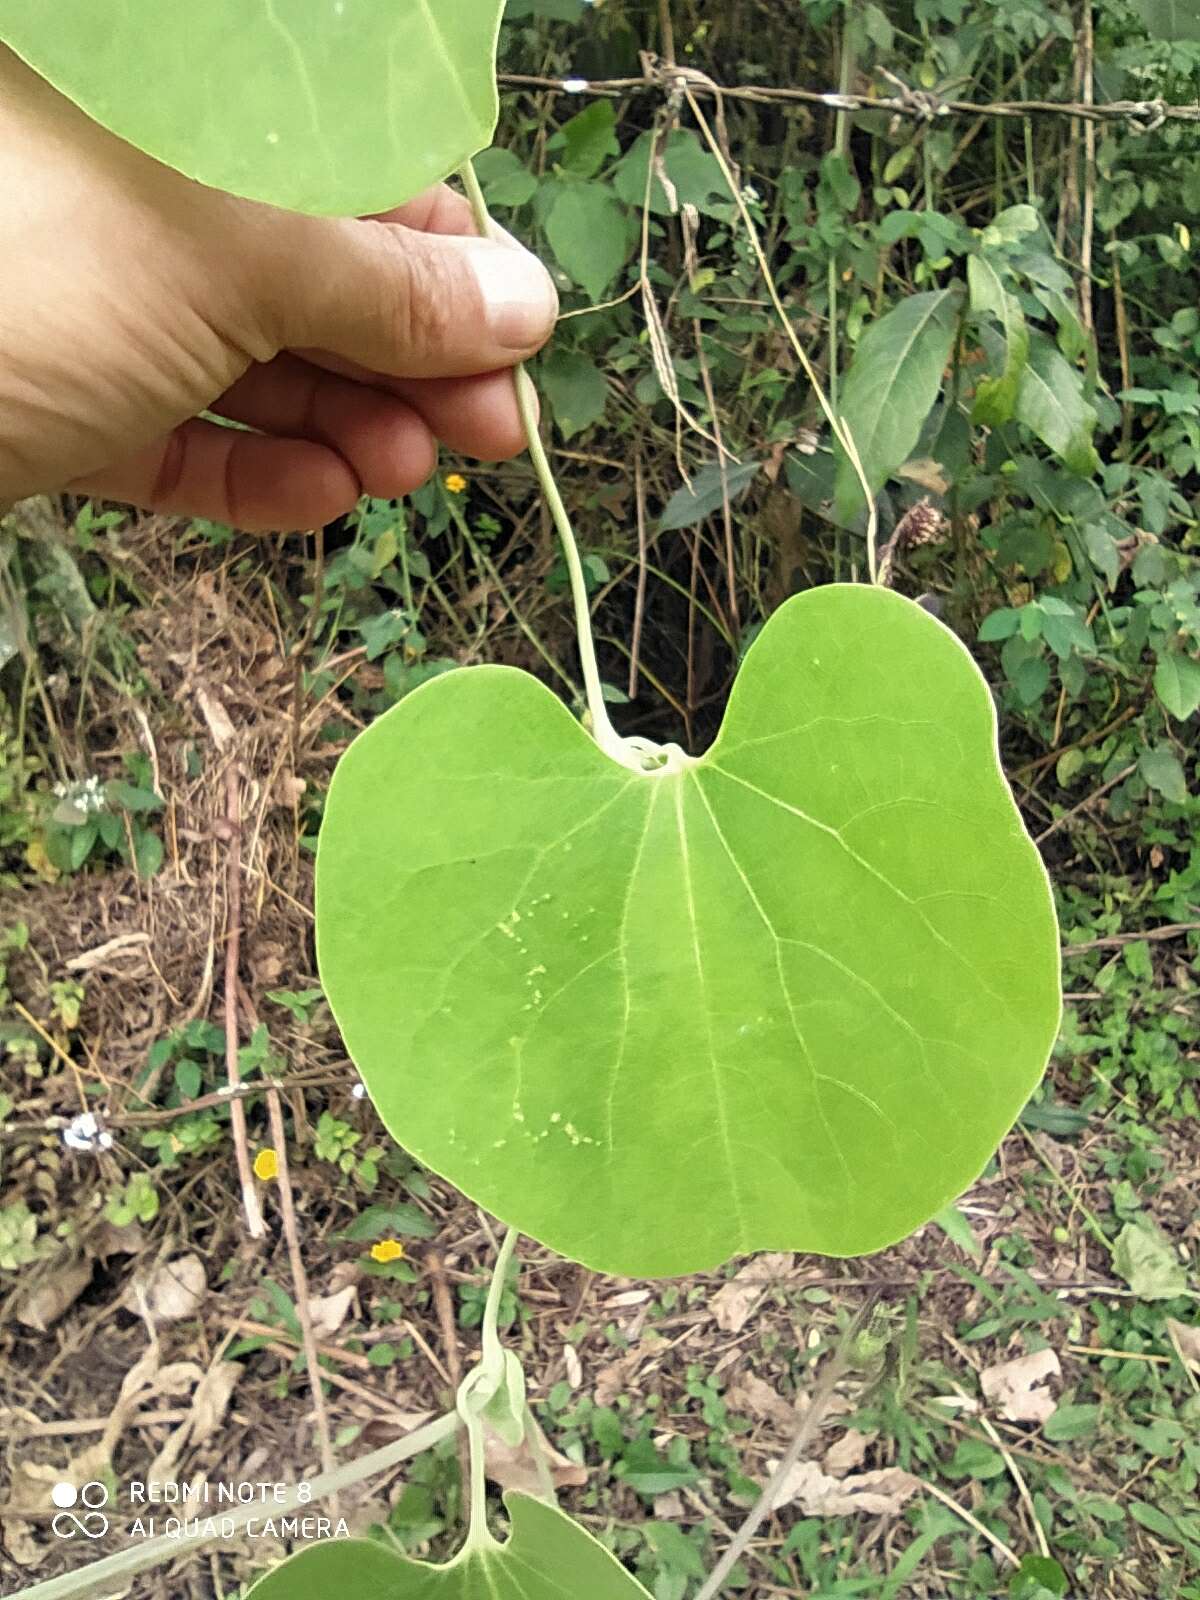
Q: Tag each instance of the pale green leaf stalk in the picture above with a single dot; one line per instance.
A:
(633, 753)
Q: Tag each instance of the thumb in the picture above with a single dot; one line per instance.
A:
(408, 304)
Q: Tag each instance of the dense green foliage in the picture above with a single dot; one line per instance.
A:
(1018, 327)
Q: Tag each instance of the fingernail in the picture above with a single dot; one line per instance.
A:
(519, 298)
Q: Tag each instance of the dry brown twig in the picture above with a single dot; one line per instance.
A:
(233, 942)
(287, 1210)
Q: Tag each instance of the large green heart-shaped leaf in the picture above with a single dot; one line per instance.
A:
(547, 1557)
(342, 106)
(789, 997)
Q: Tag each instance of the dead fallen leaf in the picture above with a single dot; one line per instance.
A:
(750, 1395)
(515, 1466)
(846, 1453)
(147, 1380)
(628, 1297)
(212, 1398)
(1187, 1343)
(735, 1300)
(1018, 1386)
(209, 1404)
(19, 1541)
(29, 1486)
(107, 1239)
(616, 1378)
(218, 719)
(168, 1291)
(327, 1312)
(289, 790)
(929, 474)
(573, 1365)
(879, 1494)
(343, 1273)
(53, 1293)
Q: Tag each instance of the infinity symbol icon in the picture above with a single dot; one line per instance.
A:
(92, 1525)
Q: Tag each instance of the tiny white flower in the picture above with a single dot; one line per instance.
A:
(574, 85)
(85, 1133)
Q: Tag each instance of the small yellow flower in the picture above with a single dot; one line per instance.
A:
(387, 1250)
(455, 482)
(266, 1165)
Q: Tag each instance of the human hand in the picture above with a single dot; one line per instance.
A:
(132, 298)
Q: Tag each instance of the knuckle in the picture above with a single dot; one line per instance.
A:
(425, 295)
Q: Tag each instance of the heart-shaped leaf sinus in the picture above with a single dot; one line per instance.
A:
(789, 997)
(547, 1557)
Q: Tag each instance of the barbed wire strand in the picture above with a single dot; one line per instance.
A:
(658, 77)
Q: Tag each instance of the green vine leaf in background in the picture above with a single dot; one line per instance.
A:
(893, 381)
(996, 398)
(506, 181)
(576, 388)
(693, 173)
(1051, 404)
(1177, 683)
(584, 144)
(548, 1557)
(304, 106)
(589, 234)
(706, 493)
(789, 995)
(1177, 20)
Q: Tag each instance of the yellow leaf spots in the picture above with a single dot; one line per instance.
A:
(387, 1250)
(266, 1165)
(455, 482)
